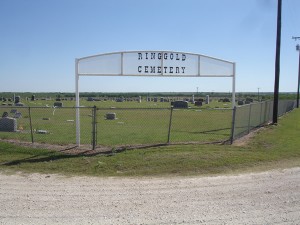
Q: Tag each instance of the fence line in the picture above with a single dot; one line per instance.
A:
(138, 126)
(257, 114)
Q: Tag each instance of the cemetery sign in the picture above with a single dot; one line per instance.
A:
(154, 63)
(150, 63)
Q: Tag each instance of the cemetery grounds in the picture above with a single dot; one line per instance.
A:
(135, 124)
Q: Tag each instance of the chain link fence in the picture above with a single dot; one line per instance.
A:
(251, 116)
(115, 127)
(47, 125)
(162, 125)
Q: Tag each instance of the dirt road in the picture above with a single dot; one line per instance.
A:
(260, 198)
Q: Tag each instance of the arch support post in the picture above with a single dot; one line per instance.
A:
(77, 104)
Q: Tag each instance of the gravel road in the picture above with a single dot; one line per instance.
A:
(271, 197)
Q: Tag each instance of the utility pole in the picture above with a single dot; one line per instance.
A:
(277, 63)
(298, 49)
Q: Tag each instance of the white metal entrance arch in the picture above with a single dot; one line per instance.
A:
(150, 63)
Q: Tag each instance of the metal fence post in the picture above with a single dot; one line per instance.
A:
(260, 123)
(94, 127)
(30, 123)
(170, 124)
(264, 109)
(249, 119)
(233, 124)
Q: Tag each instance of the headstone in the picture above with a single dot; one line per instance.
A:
(140, 99)
(207, 99)
(19, 104)
(120, 100)
(58, 104)
(13, 111)
(8, 124)
(155, 99)
(42, 132)
(240, 102)
(33, 98)
(90, 99)
(17, 99)
(198, 103)
(18, 115)
(193, 98)
(181, 104)
(249, 100)
(5, 114)
(110, 116)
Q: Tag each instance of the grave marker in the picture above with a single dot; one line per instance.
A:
(18, 115)
(181, 104)
(58, 104)
(207, 99)
(110, 116)
(8, 124)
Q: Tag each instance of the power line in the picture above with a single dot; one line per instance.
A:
(296, 38)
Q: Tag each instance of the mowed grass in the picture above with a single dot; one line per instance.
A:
(146, 126)
(136, 123)
(271, 147)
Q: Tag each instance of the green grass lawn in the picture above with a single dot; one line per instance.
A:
(272, 147)
(136, 123)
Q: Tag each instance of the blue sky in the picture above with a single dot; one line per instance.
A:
(40, 40)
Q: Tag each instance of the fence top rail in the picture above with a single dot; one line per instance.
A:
(108, 108)
(253, 103)
(267, 101)
(135, 108)
(45, 107)
(168, 108)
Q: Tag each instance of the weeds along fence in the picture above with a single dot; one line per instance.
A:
(114, 127)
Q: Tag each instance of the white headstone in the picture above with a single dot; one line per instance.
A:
(207, 99)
